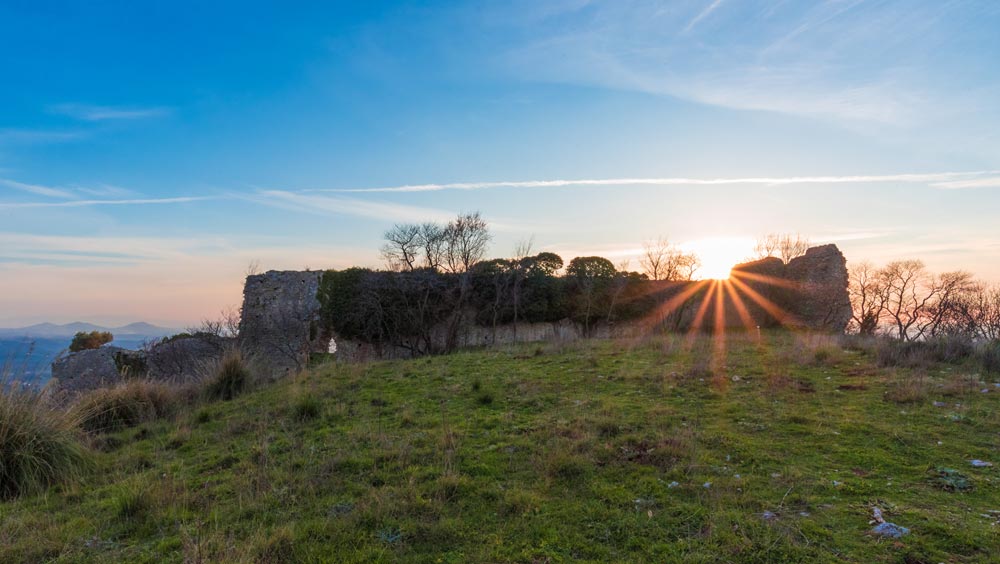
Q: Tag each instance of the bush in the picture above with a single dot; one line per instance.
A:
(126, 405)
(39, 446)
(990, 357)
(83, 341)
(917, 354)
(307, 406)
(230, 377)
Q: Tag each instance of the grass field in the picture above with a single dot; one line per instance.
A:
(609, 451)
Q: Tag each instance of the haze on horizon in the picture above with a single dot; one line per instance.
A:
(149, 154)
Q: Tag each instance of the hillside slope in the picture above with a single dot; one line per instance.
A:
(593, 451)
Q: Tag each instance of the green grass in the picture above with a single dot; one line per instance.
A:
(593, 451)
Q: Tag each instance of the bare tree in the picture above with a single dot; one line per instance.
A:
(431, 239)
(785, 246)
(402, 246)
(905, 302)
(951, 291)
(980, 309)
(466, 238)
(522, 251)
(654, 257)
(661, 260)
(253, 268)
(868, 298)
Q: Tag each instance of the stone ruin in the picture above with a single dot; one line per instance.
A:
(810, 291)
(282, 322)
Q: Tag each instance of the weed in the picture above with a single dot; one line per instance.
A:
(277, 547)
(910, 388)
(306, 407)
(131, 502)
(230, 377)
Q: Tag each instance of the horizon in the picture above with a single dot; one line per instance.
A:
(147, 156)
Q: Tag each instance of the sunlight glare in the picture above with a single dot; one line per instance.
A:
(719, 255)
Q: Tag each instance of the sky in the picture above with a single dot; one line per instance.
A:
(151, 151)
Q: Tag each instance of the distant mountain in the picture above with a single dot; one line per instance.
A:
(144, 329)
(26, 353)
(52, 331)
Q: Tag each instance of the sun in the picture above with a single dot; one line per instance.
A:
(719, 255)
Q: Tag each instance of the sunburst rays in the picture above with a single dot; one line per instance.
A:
(718, 307)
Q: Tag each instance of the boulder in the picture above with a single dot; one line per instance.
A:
(183, 358)
(95, 368)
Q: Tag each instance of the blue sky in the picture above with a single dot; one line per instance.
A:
(150, 151)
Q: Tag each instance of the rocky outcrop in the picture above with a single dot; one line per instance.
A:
(183, 358)
(86, 370)
(280, 321)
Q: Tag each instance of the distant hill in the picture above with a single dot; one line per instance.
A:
(52, 330)
(27, 352)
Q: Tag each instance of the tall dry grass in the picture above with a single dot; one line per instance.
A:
(126, 405)
(40, 444)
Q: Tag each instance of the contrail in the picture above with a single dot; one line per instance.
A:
(85, 203)
(923, 178)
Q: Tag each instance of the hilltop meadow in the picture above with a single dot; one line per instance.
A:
(667, 448)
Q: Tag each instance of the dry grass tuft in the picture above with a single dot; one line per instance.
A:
(40, 445)
(125, 405)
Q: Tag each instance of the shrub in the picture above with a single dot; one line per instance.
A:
(83, 341)
(39, 446)
(307, 406)
(230, 377)
(916, 354)
(126, 405)
(990, 357)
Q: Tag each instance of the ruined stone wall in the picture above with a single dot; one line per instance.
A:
(280, 320)
(822, 300)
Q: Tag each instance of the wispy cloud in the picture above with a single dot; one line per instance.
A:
(325, 205)
(109, 249)
(87, 112)
(989, 182)
(702, 15)
(124, 202)
(105, 191)
(823, 60)
(34, 136)
(36, 189)
(919, 178)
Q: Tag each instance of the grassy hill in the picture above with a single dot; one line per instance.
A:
(654, 451)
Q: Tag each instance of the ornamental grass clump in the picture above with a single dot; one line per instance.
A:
(40, 444)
